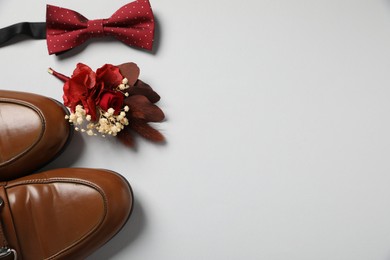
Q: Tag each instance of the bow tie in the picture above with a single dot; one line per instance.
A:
(132, 24)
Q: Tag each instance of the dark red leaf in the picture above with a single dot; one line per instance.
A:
(125, 137)
(130, 71)
(141, 108)
(141, 88)
(146, 131)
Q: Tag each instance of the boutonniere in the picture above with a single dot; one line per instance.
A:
(111, 101)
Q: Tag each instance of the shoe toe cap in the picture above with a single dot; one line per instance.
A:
(33, 131)
(68, 213)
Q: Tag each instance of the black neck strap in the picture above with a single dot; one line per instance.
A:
(34, 30)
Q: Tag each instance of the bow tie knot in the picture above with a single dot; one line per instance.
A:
(95, 27)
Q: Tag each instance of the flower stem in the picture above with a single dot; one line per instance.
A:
(58, 75)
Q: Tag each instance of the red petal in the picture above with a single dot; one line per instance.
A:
(110, 75)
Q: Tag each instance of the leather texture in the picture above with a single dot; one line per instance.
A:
(64, 213)
(33, 132)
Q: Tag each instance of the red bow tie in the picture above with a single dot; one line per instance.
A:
(132, 24)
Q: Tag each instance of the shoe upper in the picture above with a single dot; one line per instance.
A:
(33, 132)
(64, 213)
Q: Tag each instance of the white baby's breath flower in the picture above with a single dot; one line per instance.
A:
(103, 121)
(125, 121)
(110, 111)
(79, 120)
(107, 123)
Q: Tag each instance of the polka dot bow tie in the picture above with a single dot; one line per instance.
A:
(132, 24)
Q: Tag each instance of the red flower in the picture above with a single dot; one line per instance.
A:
(109, 77)
(113, 100)
(86, 88)
(80, 90)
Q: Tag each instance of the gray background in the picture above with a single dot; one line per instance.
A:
(277, 127)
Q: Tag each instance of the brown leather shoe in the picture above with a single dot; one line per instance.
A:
(33, 132)
(62, 213)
